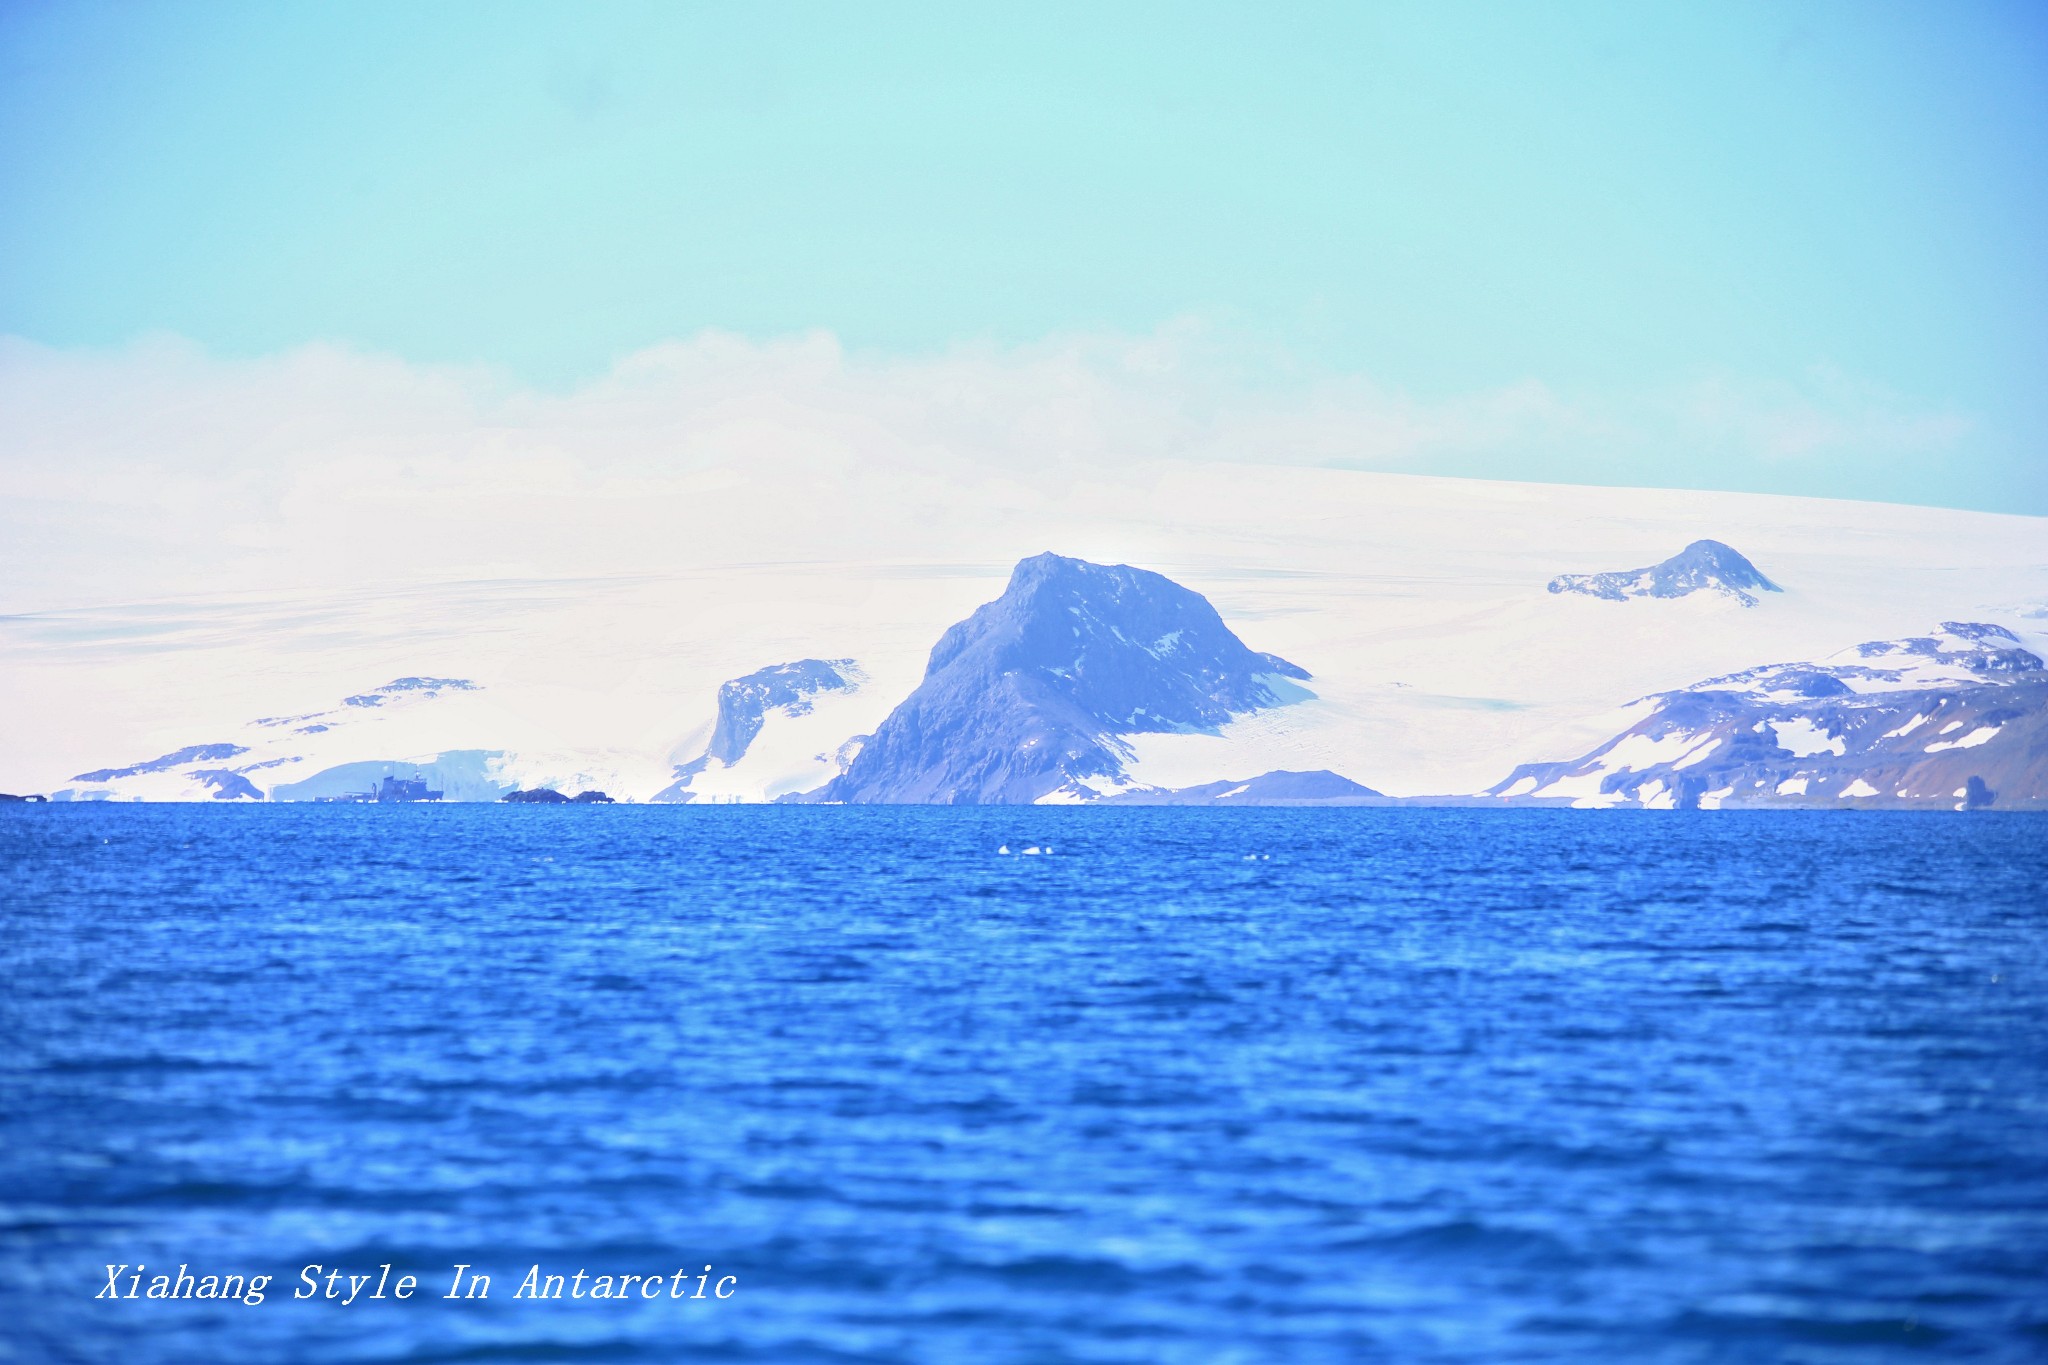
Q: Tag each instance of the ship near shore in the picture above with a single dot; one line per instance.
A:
(412, 788)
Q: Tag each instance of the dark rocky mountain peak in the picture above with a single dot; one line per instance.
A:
(1703, 566)
(1029, 693)
(1129, 646)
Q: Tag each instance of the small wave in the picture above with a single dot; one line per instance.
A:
(1469, 1240)
(1812, 1330)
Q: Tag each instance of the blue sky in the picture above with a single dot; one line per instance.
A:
(1842, 208)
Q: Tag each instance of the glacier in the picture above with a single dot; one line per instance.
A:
(1422, 607)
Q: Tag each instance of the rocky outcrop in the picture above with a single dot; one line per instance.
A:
(1703, 566)
(1957, 720)
(425, 689)
(1028, 697)
(746, 705)
(227, 785)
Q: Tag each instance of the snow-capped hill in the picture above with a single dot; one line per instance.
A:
(458, 774)
(1956, 718)
(744, 703)
(1961, 652)
(190, 754)
(1279, 788)
(1028, 696)
(780, 730)
(190, 769)
(289, 757)
(1703, 566)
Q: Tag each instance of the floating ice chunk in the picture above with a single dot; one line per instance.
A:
(1035, 849)
(1004, 849)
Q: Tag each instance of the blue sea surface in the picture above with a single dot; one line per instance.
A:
(1202, 1085)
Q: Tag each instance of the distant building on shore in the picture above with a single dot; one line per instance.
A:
(391, 788)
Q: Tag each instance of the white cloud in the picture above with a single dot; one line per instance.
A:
(1827, 413)
(157, 468)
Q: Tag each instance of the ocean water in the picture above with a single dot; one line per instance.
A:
(1236, 1085)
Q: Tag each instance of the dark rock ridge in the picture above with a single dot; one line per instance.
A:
(422, 687)
(1029, 695)
(1703, 566)
(1278, 788)
(548, 796)
(191, 753)
(1953, 720)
